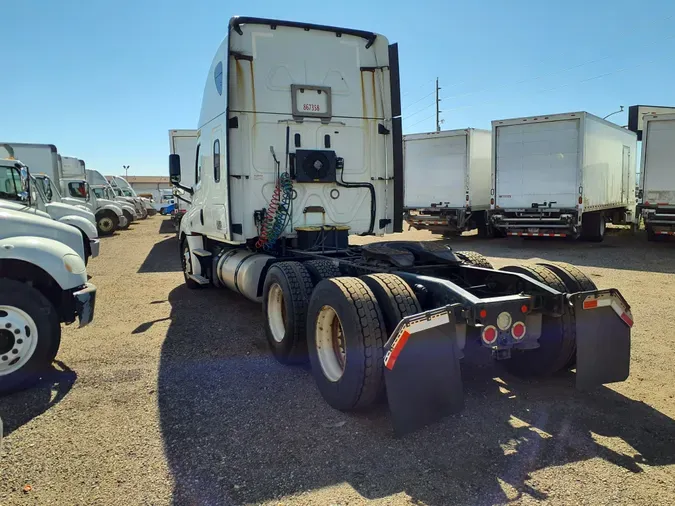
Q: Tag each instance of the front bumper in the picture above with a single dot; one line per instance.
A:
(95, 246)
(85, 301)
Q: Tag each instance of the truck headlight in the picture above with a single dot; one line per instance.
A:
(74, 264)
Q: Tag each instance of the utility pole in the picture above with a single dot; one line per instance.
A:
(438, 108)
(126, 170)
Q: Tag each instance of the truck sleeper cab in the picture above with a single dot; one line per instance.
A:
(287, 169)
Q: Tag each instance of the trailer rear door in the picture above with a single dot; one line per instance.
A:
(435, 171)
(659, 165)
(537, 163)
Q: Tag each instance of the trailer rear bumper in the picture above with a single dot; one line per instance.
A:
(660, 219)
(439, 219)
(536, 222)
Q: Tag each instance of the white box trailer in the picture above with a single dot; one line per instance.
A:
(562, 175)
(447, 180)
(657, 175)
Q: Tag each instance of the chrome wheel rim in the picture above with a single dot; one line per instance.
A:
(18, 339)
(105, 224)
(276, 312)
(330, 344)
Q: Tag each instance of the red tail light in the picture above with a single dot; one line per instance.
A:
(489, 334)
(518, 330)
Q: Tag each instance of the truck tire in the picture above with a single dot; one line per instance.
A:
(593, 227)
(345, 337)
(473, 258)
(286, 293)
(557, 343)
(129, 218)
(30, 335)
(186, 266)
(395, 297)
(575, 281)
(322, 269)
(106, 222)
(651, 236)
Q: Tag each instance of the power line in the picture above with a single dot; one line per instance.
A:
(546, 90)
(555, 72)
(420, 110)
(418, 101)
(418, 88)
(422, 120)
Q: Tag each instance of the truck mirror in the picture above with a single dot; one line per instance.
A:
(25, 184)
(174, 168)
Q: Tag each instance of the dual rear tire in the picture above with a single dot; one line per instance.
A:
(339, 324)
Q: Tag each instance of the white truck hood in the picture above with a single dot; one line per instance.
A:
(21, 223)
(58, 210)
(18, 206)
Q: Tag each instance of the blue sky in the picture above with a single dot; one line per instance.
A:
(105, 81)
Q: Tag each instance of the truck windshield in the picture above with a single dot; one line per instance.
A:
(10, 183)
(78, 190)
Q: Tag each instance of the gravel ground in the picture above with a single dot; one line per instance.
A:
(171, 396)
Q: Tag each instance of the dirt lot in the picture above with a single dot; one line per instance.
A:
(172, 397)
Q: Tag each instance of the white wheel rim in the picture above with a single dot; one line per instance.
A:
(330, 344)
(18, 339)
(276, 312)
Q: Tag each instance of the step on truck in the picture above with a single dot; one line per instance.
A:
(562, 175)
(447, 181)
(300, 145)
(182, 142)
(657, 175)
(43, 283)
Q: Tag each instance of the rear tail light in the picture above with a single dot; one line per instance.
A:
(581, 200)
(489, 334)
(492, 202)
(518, 330)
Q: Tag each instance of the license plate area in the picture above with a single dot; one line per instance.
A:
(533, 230)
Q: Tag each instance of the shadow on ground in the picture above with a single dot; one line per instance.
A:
(619, 250)
(163, 257)
(167, 227)
(240, 428)
(21, 407)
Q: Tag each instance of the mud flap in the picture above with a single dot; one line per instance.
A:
(603, 324)
(422, 373)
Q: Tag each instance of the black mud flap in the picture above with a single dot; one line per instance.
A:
(603, 326)
(421, 372)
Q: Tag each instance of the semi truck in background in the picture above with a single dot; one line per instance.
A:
(124, 189)
(562, 175)
(110, 215)
(447, 181)
(44, 197)
(300, 145)
(43, 283)
(98, 181)
(657, 175)
(182, 142)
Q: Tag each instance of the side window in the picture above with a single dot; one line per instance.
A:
(77, 190)
(198, 166)
(216, 160)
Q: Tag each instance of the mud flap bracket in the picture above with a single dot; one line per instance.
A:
(603, 325)
(422, 371)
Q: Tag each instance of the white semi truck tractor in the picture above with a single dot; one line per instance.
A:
(43, 283)
(124, 189)
(110, 214)
(132, 210)
(45, 196)
(299, 145)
